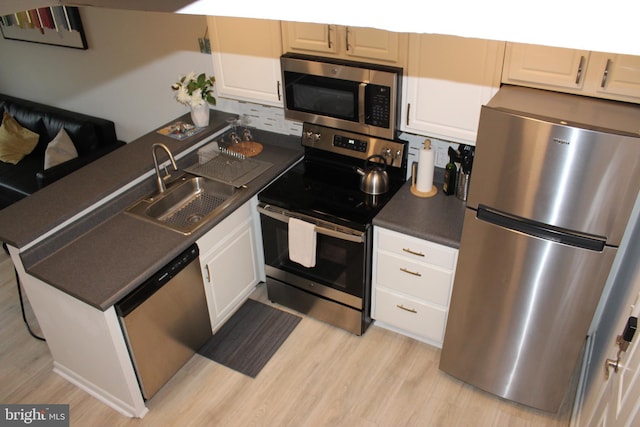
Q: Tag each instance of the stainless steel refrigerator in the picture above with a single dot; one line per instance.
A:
(554, 180)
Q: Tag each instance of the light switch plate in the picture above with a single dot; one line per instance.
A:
(442, 157)
(205, 45)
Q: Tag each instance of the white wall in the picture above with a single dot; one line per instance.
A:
(124, 76)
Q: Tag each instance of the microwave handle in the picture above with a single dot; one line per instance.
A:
(361, 100)
(283, 217)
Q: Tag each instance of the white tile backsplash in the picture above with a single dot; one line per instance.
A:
(272, 119)
(263, 117)
(416, 142)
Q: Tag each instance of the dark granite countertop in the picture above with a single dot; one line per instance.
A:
(34, 216)
(106, 254)
(437, 219)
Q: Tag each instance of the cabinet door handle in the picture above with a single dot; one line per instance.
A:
(347, 39)
(407, 250)
(605, 74)
(579, 74)
(408, 111)
(208, 273)
(413, 273)
(410, 310)
(329, 43)
(278, 90)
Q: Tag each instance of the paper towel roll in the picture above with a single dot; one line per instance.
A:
(426, 164)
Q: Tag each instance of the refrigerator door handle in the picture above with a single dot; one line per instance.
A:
(541, 230)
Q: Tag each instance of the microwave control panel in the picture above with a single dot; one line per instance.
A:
(377, 106)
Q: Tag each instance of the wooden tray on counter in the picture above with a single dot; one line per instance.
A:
(247, 148)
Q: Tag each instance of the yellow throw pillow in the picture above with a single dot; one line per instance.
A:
(15, 141)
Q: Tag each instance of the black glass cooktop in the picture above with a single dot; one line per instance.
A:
(330, 193)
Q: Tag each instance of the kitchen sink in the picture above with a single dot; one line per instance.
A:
(187, 204)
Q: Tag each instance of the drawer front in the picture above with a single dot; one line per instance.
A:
(417, 249)
(415, 279)
(409, 315)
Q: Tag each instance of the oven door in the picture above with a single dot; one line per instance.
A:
(341, 272)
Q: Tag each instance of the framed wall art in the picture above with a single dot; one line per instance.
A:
(55, 25)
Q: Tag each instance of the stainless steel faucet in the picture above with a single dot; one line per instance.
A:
(160, 180)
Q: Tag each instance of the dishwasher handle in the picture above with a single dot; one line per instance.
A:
(150, 286)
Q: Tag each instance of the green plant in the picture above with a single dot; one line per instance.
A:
(194, 90)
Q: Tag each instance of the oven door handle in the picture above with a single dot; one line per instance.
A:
(284, 217)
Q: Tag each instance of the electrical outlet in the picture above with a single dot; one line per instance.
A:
(205, 45)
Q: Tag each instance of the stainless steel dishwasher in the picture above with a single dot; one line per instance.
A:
(165, 321)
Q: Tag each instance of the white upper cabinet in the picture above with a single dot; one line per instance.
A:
(545, 66)
(372, 44)
(353, 43)
(614, 76)
(598, 74)
(246, 59)
(448, 80)
(309, 38)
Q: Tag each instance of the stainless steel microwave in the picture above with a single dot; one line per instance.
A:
(363, 98)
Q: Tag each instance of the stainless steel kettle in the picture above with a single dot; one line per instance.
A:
(375, 179)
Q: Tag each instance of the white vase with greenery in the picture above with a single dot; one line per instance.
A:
(196, 92)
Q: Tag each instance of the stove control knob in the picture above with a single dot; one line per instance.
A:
(317, 136)
(308, 136)
(386, 152)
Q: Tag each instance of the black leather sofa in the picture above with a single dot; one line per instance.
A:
(92, 137)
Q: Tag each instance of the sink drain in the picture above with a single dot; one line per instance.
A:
(192, 219)
(195, 211)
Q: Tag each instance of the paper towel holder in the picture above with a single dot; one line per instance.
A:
(414, 190)
(414, 178)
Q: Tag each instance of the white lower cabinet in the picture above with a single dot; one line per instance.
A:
(230, 262)
(412, 283)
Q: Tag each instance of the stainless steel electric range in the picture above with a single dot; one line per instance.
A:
(325, 190)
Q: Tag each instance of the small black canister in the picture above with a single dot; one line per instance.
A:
(462, 190)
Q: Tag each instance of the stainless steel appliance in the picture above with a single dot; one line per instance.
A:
(165, 321)
(324, 190)
(351, 96)
(554, 181)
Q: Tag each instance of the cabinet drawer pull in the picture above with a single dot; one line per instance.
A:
(605, 74)
(409, 251)
(410, 310)
(579, 74)
(278, 90)
(414, 273)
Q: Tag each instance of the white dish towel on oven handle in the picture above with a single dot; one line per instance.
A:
(302, 242)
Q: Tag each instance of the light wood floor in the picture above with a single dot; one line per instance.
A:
(321, 376)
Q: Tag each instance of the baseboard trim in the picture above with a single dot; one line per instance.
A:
(137, 411)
